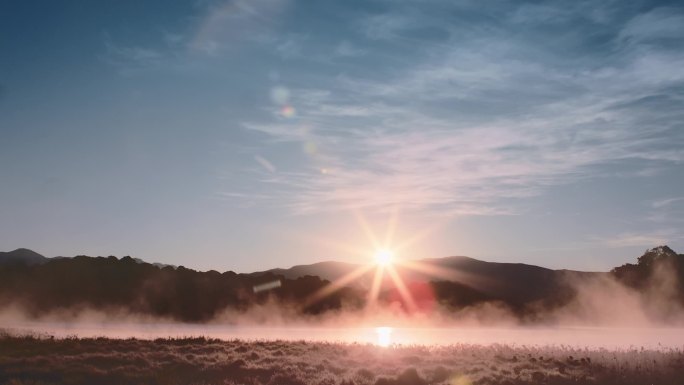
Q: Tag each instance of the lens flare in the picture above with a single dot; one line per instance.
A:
(310, 148)
(384, 336)
(287, 111)
(460, 380)
(280, 95)
(384, 257)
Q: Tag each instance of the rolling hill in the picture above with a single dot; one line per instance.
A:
(44, 285)
(516, 283)
(21, 256)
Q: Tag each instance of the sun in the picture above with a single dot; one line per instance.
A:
(383, 257)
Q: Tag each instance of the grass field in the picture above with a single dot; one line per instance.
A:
(41, 360)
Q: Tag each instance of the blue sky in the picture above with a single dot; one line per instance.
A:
(245, 135)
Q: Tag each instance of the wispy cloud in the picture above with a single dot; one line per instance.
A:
(385, 26)
(265, 163)
(345, 49)
(666, 202)
(659, 23)
(128, 59)
(668, 211)
(226, 22)
(290, 46)
(470, 129)
(650, 239)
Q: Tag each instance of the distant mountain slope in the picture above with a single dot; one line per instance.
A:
(516, 283)
(43, 285)
(22, 256)
(329, 270)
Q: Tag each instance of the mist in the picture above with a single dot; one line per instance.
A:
(602, 313)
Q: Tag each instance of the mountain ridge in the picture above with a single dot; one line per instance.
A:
(23, 256)
(455, 283)
(326, 269)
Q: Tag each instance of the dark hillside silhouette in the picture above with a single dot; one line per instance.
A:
(21, 256)
(43, 285)
(142, 288)
(515, 284)
(660, 266)
(329, 270)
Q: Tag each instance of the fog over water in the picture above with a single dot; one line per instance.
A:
(600, 312)
(583, 337)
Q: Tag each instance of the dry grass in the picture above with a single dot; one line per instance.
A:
(33, 360)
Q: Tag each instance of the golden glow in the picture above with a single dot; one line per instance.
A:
(384, 336)
(460, 380)
(401, 287)
(375, 288)
(337, 284)
(384, 266)
(384, 257)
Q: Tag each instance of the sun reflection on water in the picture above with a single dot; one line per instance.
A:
(384, 334)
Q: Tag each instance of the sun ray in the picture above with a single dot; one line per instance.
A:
(342, 247)
(403, 290)
(384, 261)
(367, 229)
(337, 284)
(391, 226)
(375, 287)
(419, 236)
(384, 257)
(446, 273)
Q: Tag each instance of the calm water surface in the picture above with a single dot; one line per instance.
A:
(611, 338)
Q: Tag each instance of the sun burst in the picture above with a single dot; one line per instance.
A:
(384, 257)
(386, 265)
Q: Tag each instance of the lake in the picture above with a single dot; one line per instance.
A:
(383, 335)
